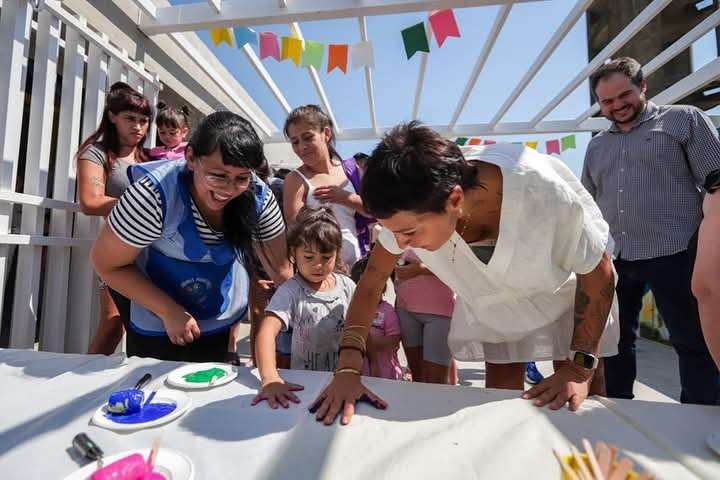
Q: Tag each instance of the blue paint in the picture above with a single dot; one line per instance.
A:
(147, 414)
(125, 402)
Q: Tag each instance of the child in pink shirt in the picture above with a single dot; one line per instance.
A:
(384, 342)
(173, 125)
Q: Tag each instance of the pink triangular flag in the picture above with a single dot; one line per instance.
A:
(444, 25)
(552, 146)
(269, 46)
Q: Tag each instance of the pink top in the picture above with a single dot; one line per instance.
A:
(424, 294)
(385, 324)
(163, 153)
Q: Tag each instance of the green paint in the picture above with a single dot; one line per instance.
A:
(204, 376)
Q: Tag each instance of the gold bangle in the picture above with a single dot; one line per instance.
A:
(361, 327)
(354, 371)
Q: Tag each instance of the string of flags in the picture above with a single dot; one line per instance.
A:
(557, 145)
(310, 53)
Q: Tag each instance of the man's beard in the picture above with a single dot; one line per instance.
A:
(637, 110)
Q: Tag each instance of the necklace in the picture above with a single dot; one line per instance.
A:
(466, 221)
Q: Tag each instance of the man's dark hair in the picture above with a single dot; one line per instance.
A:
(413, 168)
(626, 65)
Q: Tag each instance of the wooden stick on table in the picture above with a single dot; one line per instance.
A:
(594, 466)
(567, 470)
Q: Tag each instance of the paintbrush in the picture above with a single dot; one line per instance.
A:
(153, 454)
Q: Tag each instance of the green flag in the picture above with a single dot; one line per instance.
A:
(313, 54)
(567, 142)
(415, 40)
(461, 141)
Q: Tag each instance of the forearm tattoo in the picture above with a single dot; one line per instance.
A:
(592, 307)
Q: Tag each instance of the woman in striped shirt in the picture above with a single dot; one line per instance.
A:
(180, 242)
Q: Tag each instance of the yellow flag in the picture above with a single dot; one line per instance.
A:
(532, 144)
(220, 35)
(291, 48)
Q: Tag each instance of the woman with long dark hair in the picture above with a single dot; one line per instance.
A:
(181, 241)
(103, 159)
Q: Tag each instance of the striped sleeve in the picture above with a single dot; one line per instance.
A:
(137, 218)
(270, 223)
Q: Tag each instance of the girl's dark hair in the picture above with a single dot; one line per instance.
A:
(414, 168)
(241, 147)
(314, 116)
(168, 116)
(120, 98)
(315, 227)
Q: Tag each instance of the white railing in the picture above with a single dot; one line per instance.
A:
(54, 290)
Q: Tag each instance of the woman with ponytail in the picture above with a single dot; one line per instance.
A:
(180, 243)
(321, 179)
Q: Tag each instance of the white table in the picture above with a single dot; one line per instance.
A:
(429, 431)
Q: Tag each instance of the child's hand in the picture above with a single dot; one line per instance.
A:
(275, 391)
(409, 270)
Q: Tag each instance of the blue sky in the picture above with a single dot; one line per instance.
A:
(526, 31)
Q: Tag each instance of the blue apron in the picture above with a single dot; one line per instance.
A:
(209, 281)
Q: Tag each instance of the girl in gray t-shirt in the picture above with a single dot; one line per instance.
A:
(313, 303)
(102, 178)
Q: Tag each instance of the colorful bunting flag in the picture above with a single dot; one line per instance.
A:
(475, 141)
(532, 145)
(567, 142)
(244, 36)
(552, 146)
(313, 54)
(489, 142)
(337, 57)
(415, 40)
(220, 35)
(269, 46)
(291, 48)
(444, 25)
(362, 55)
(461, 141)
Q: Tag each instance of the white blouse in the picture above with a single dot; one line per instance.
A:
(519, 307)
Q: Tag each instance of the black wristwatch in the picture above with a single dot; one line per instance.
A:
(712, 182)
(585, 360)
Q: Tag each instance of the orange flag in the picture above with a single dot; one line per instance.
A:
(337, 57)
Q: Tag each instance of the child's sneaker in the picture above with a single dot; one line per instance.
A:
(532, 374)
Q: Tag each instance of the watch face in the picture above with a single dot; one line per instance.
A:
(583, 360)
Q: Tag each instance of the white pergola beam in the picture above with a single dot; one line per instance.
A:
(265, 75)
(480, 129)
(200, 16)
(215, 5)
(368, 76)
(650, 12)
(266, 129)
(668, 54)
(572, 18)
(421, 77)
(689, 84)
(314, 77)
(482, 58)
(147, 7)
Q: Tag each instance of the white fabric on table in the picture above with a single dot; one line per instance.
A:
(428, 431)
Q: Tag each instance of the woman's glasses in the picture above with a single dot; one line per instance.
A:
(223, 182)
